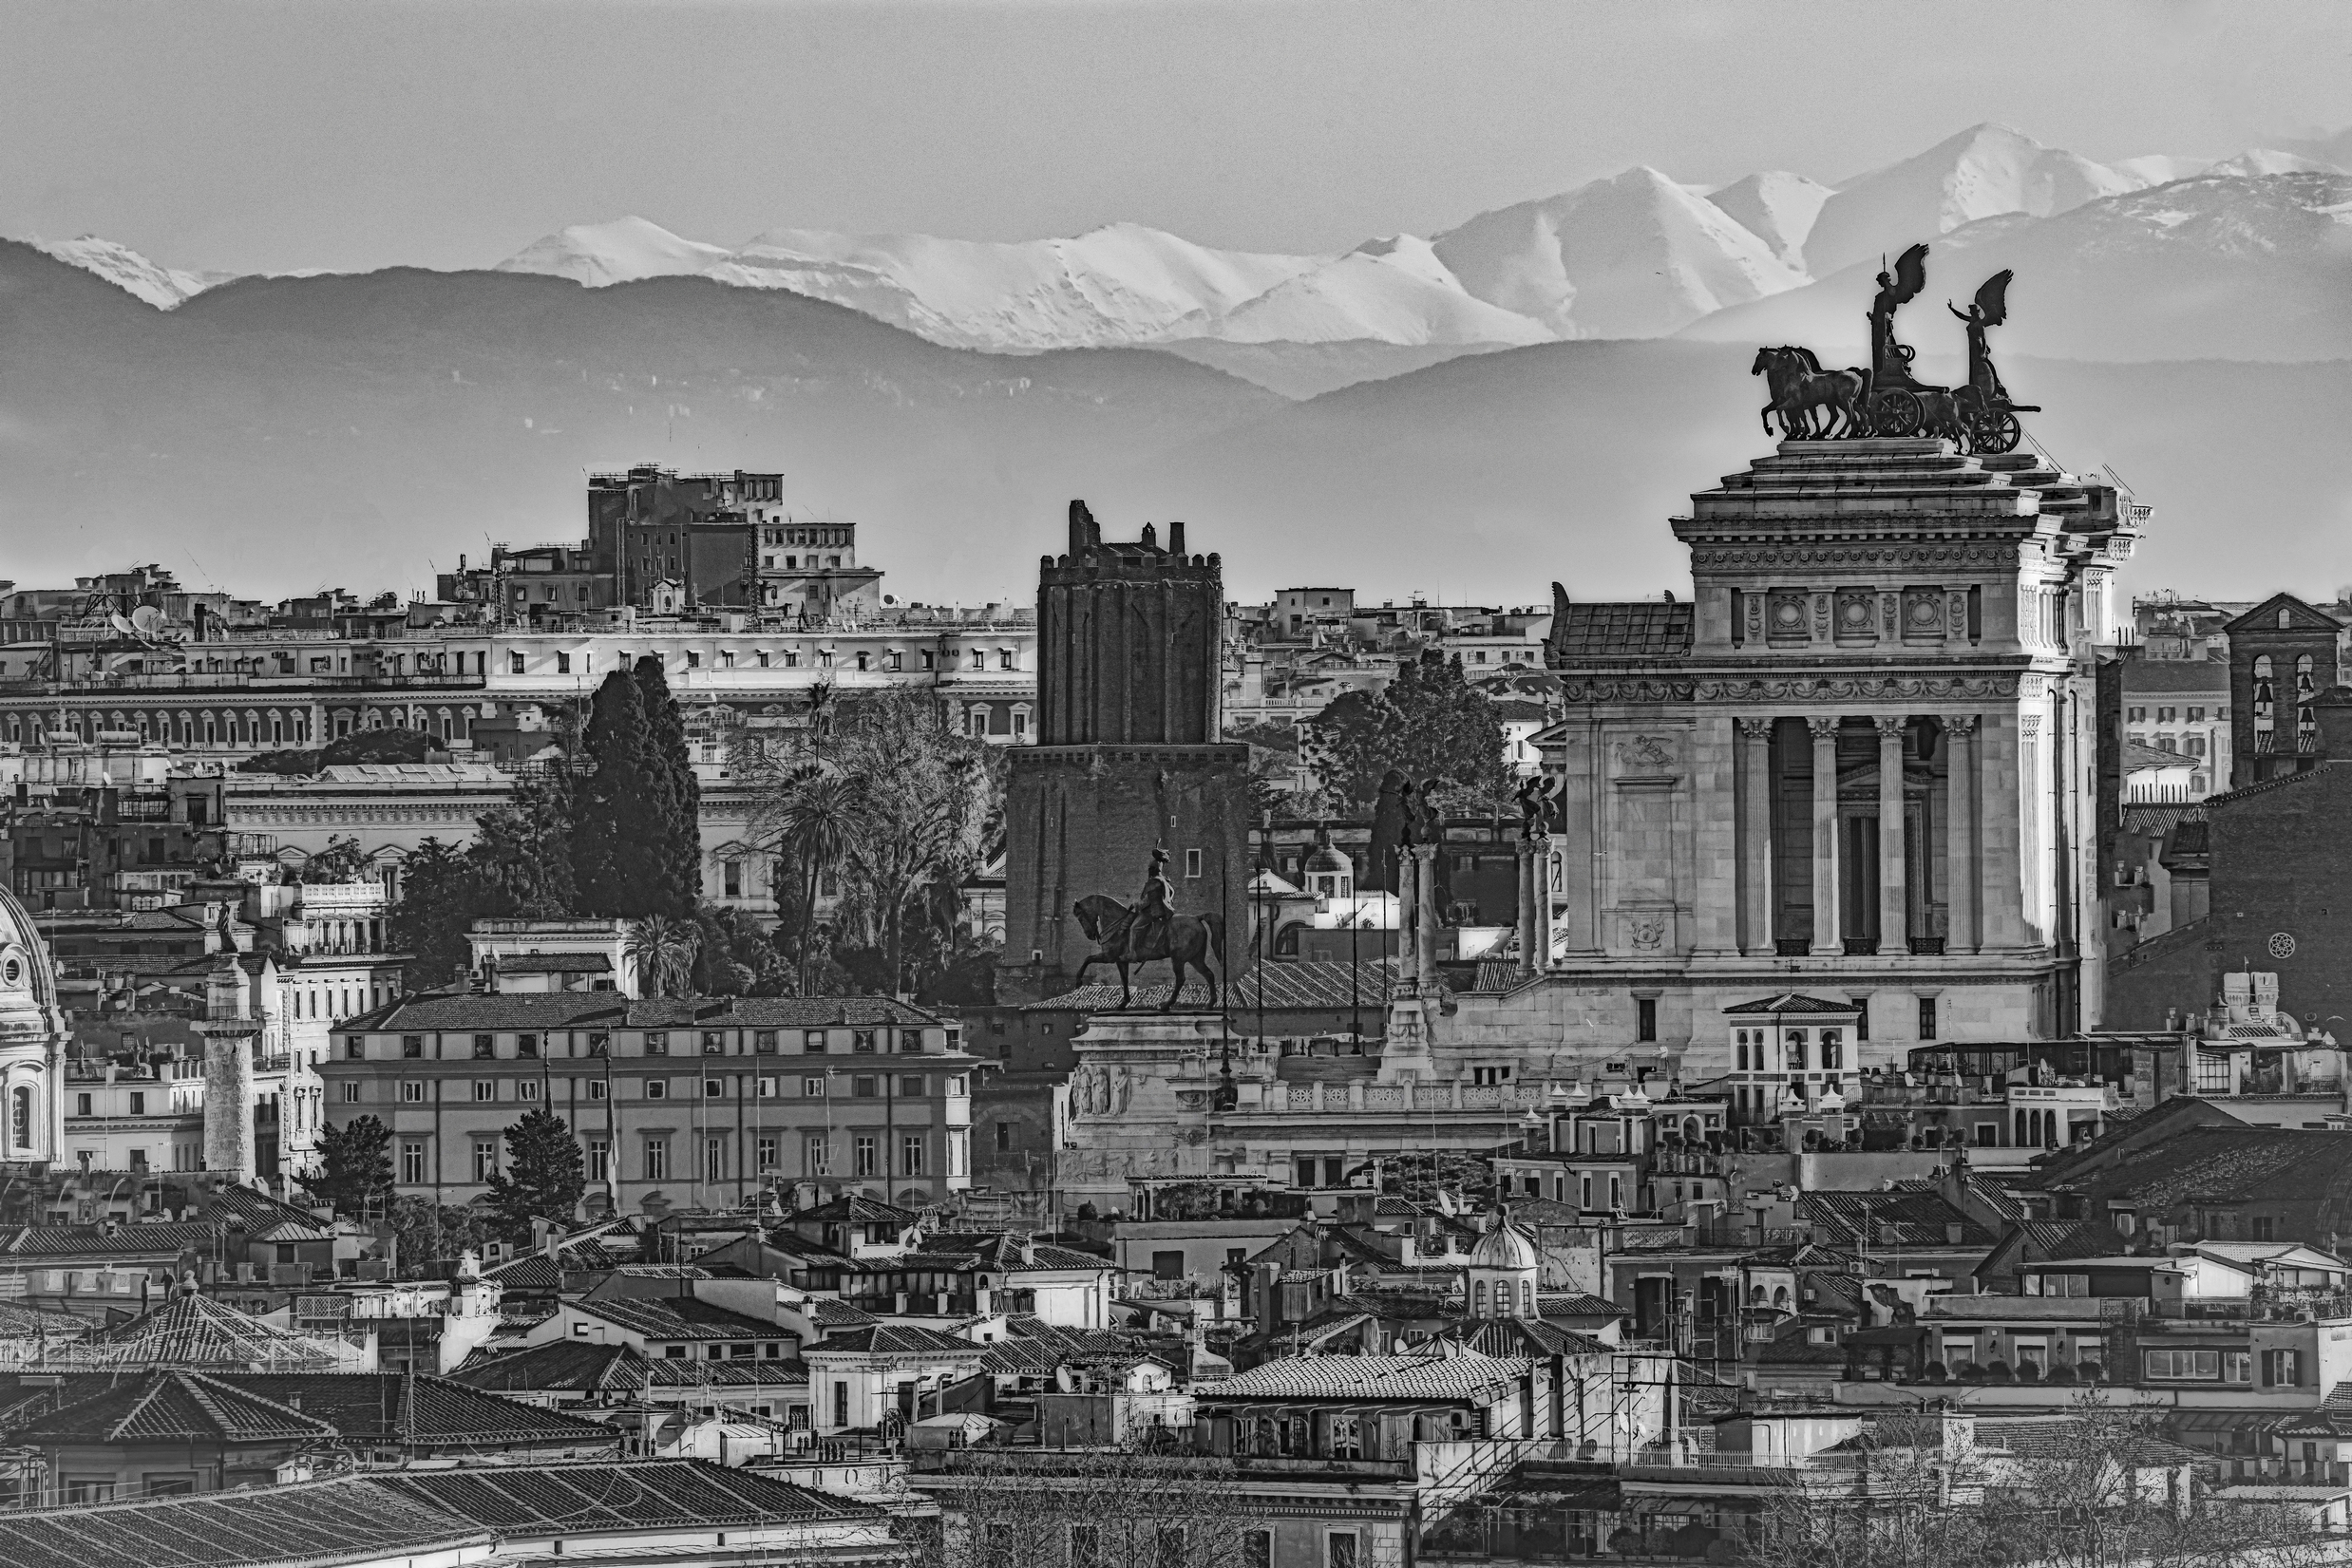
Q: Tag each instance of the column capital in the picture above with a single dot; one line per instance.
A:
(1961, 725)
(1891, 726)
(1823, 729)
(1756, 729)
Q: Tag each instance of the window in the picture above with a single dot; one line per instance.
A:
(910, 1085)
(862, 1041)
(484, 1089)
(526, 1044)
(412, 1162)
(2199, 1365)
(764, 1088)
(82, 1104)
(910, 1154)
(600, 1045)
(412, 1047)
(596, 1088)
(766, 1153)
(864, 1089)
(1004, 1136)
(713, 1088)
(764, 1042)
(910, 1042)
(867, 1156)
(1257, 1549)
(812, 1089)
(599, 1160)
(1832, 1048)
(812, 1042)
(513, 663)
(657, 1088)
(1339, 1550)
(2282, 1369)
(2266, 1226)
(351, 1094)
(816, 1155)
(353, 1048)
(656, 1043)
(1645, 1018)
(485, 1159)
(714, 1160)
(485, 1044)
(1927, 1017)
(657, 1159)
(1862, 1018)
(713, 1043)
(412, 1092)
(526, 1088)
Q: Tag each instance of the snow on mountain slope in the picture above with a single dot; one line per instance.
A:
(2215, 266)
(2261, 160)
(161, 287)
(1636, 256)
(1777, 207)
(623, 250)
(2159, 168)
(1983, 172)
(1121, 284)
(1385, 291)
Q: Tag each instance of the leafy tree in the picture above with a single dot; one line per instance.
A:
(342, 860)
(427, 1233)
(1430, 723)
(1421, 1175)
(354, 1171)
(522, 850)
(438, 898)
(543, 1175)
(675, 803)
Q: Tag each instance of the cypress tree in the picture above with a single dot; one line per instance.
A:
(674, 799)
(611, 854)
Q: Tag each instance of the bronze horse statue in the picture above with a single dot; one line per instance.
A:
(1800, 387)
(1186, 941)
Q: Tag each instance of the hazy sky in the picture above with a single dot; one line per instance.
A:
(275, 136)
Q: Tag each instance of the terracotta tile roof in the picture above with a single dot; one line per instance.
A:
(565, 1366)
(199, 1332)
(430, 1411)
(892, 1339)
(1521, 1336)
(852, 1209)
(1376, 1377)
(829, 1314)
(1579, 1305)
(460, 1010)
(26, 1245)
(174, 1408)
(1986, 1308)
(729, 1374)
(536, 1272)
(554, 963)
(318, 1525)
(1009, 1358)
(679, 1317)
(1922, 1219)
(583, 1498)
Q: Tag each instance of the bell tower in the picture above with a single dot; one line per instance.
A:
(1130, 752)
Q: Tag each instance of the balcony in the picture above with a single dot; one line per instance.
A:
(1926, 947)
(1861, 947)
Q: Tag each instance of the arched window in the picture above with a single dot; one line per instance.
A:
(2304, 687)
(2019, 1139)
(1478, 1289)
(20, 1117)
(1526, 1298)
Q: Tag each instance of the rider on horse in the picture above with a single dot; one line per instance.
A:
(1147, 924)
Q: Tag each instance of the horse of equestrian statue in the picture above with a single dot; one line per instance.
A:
(1800, 389)
(1186, 941)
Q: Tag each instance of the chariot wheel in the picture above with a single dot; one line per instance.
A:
(1999, 432)
(1894, 413)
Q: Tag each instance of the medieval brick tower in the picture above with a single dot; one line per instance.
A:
(1130, 752)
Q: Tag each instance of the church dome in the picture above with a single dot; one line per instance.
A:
(28, 1014)
(1328, 859)
(1504, 1247)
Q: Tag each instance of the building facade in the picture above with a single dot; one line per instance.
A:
(676, 1103)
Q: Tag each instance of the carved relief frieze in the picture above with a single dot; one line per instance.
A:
(1987, 554)
(1625, 691)
(1858, 689)
(1646, 753)
(1788, 617)
(1923, 614)
(1856, 610)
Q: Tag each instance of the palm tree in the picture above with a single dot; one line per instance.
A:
(664, 948)
(817, 823)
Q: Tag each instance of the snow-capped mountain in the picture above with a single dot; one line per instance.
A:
(2215, 266)
(1115, 285)
(1385, 291)
(1633, 256)
(1983, 172)
(623, 250)
(161, 287)
(1777, 207)
(1637, 255)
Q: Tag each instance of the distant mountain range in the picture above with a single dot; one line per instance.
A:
(274, 434)
(1634, 255)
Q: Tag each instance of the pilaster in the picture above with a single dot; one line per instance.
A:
(1894, 899)
(1827, 928)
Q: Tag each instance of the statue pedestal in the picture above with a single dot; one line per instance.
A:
(1405, 1054)
(1139, 1101)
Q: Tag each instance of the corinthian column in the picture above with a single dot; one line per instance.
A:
(1425, 921)
(1893, 904)
(1960, 833)
(1827, 933)
(1531, 890)
(1756, 836)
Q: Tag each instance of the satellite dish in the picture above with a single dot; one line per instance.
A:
(147, 620)
(122, 626)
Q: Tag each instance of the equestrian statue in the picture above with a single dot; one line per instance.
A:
(1151, 930)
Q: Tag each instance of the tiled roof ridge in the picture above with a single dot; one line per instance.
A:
(2260, 786)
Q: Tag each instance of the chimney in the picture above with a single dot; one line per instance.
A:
(1176, 538)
